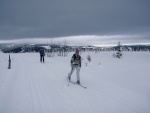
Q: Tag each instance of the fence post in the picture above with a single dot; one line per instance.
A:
(9, 63)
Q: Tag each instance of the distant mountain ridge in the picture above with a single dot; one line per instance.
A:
(18, 48)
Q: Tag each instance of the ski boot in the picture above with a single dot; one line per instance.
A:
(78, 82)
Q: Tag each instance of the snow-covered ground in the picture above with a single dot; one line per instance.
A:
(113, 85)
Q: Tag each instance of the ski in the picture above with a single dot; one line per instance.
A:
(82, 86)
(69, 81)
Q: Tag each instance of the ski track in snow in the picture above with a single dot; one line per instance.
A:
(113, 86)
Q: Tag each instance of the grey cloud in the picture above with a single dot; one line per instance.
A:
(56, 18)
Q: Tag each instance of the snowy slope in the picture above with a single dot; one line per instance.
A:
(113, 85)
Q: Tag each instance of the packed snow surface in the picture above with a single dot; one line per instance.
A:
(113, 85)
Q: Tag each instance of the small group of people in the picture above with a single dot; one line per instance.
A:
(75, 63)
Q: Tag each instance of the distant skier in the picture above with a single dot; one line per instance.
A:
(75, 64)
(42, 54)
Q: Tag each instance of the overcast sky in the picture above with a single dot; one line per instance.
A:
(21, 19)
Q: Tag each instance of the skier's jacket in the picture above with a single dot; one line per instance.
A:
(42, 52)
(76, 60)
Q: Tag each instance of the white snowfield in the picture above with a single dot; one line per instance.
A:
(113, 85)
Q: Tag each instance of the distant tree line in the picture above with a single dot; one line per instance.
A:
(62, 50)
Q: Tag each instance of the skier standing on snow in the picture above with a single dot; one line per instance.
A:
(42, 54)
(75, 64)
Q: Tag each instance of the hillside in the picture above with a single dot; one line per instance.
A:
(22, 48)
